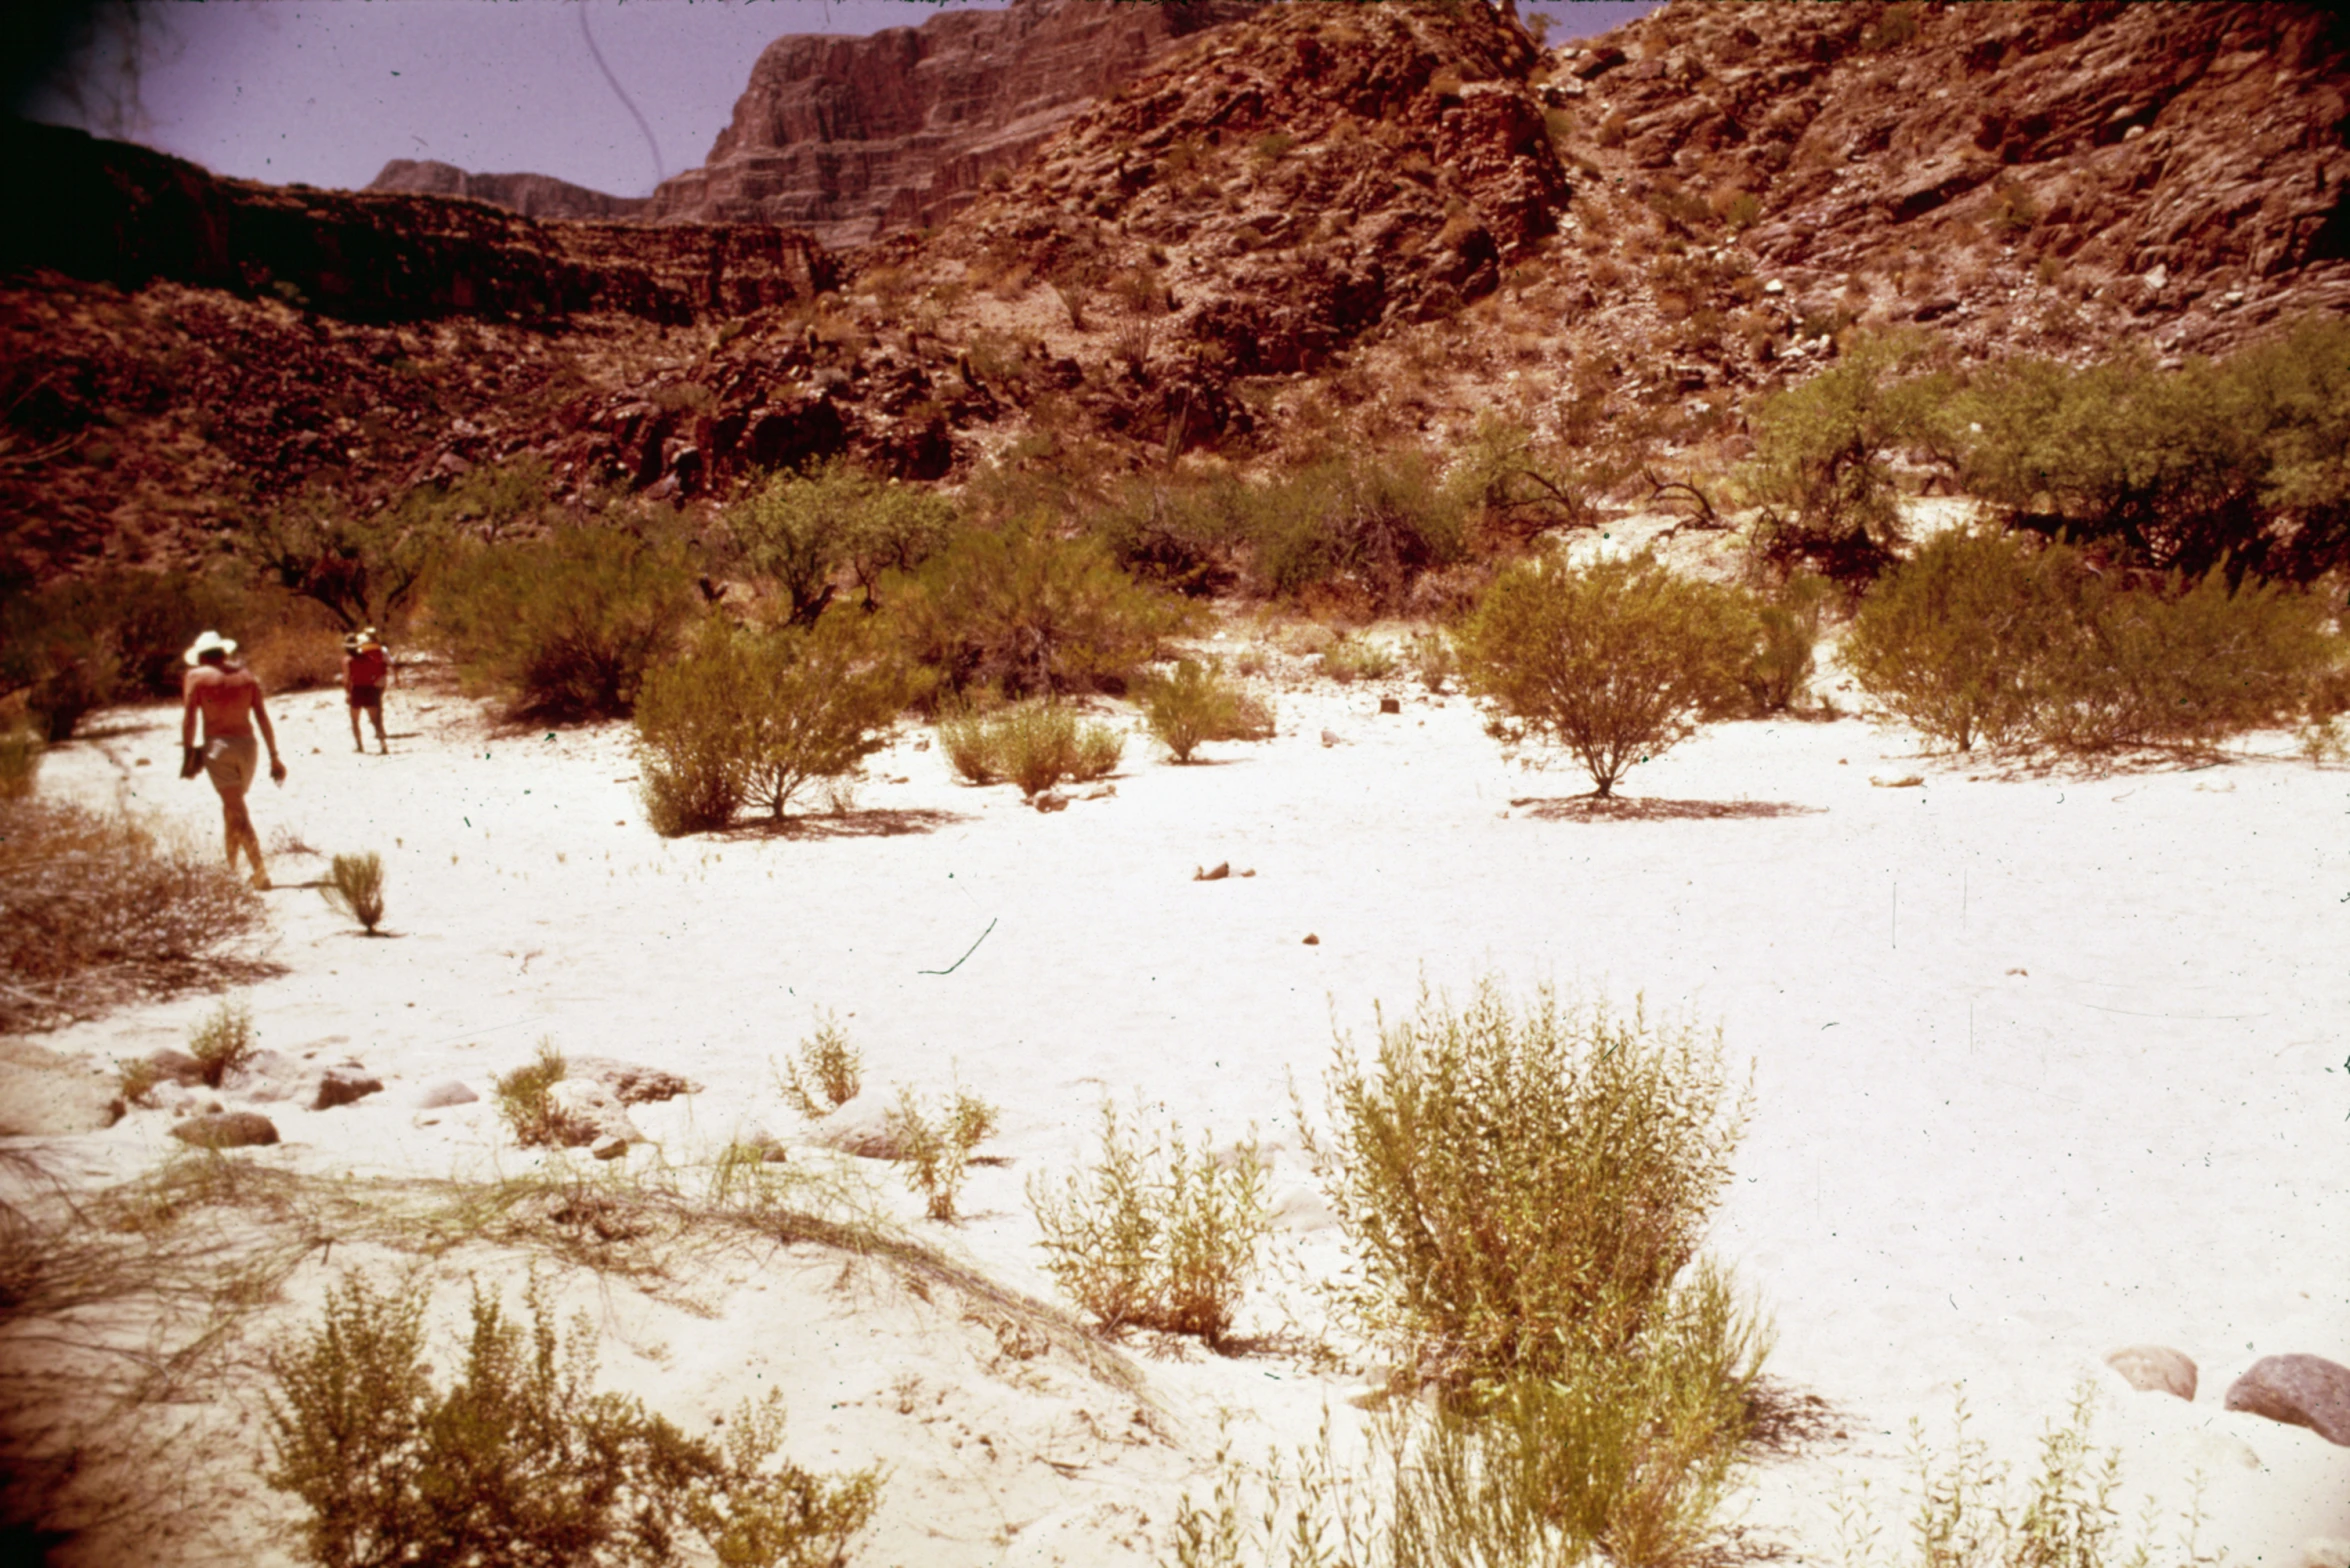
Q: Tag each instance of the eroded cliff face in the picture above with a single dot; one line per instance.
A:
(853, 138)
(125, 215)
(1317, 227)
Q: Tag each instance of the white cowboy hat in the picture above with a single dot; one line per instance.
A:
(209, 642)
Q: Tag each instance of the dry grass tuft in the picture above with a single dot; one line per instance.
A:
(97, 911)
(355, 885)
(825, 1065)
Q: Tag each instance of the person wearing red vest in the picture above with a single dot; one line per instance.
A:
(367, 666)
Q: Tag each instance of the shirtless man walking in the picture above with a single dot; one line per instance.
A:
(230, 699)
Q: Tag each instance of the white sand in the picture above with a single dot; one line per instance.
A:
(2043, 1067)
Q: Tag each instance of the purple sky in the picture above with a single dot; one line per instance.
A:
(286, 90)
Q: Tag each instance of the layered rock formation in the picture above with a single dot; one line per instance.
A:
(851, 138)
(532, 195)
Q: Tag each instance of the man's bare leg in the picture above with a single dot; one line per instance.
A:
(240, 831)
(357, 744)
(382, 745)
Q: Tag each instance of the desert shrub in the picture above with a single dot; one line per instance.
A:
(1432, 660)
(1942, 641)
(1621, 1458)
(2232, 463)
(522, 1095)
(369, 568)
(294, 655)
(936, 1144)
(519, 1460)
(1616, 660)
(1028, 614)
(1370, 523)
(825, 1066)
(1352, 659)
(1987, 638)
(20, 760)
(355, 885)
(1157, 1234)
(1522, 1187)
(567, 625)
(96, 910)
(1787, 632)
(1034, 744)
(754, 717)
(223, 1042)
(1193, 704)
(1824, 451)
(54, 650)
(799, 532)
(1972, 1508)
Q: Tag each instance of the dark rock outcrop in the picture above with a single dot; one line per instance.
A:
(125, 215)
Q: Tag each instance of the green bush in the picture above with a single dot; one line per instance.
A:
(1432, 659)
(1824, 451)
(1034, 744)
(1193, 704)
(567, 625)
(223, 1042)
(1156, 1234)
(1027, 614)
(2234, 463)
(827, 1066)
(755, 717)
(1616, 661)
(522, 1095)
(355, 885)
(936, 1145)
(1984, 638)
(1524, 1189)
(1787, 634)
(799, 532)
(519, 1461)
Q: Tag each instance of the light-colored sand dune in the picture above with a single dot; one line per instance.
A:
(2043, 1066)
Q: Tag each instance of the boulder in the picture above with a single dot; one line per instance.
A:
(631, 1083)
(343, 1086)
(226, 1130)
(585, 1113)
(444, 1093)
(170, 1066)
(2298, 1390)
(2155, 1369)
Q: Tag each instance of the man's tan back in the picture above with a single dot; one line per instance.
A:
(225, 696)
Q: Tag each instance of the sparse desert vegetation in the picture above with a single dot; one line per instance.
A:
(1928, 531)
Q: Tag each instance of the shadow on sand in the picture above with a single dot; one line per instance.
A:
(877, 823)
(1591, 808)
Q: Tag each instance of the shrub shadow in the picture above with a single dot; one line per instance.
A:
(1591, 808)
(879, 822)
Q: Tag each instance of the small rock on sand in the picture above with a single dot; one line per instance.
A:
(1390, 705)
(226, 1130)
(1312, 940)
(1216, 873)
(862, 1128)
(170, 1066)
(586, 1113)
(631, 1083)
(2298, 1390)
(343, 1086)
(447, 1092)
(2156, 1369)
